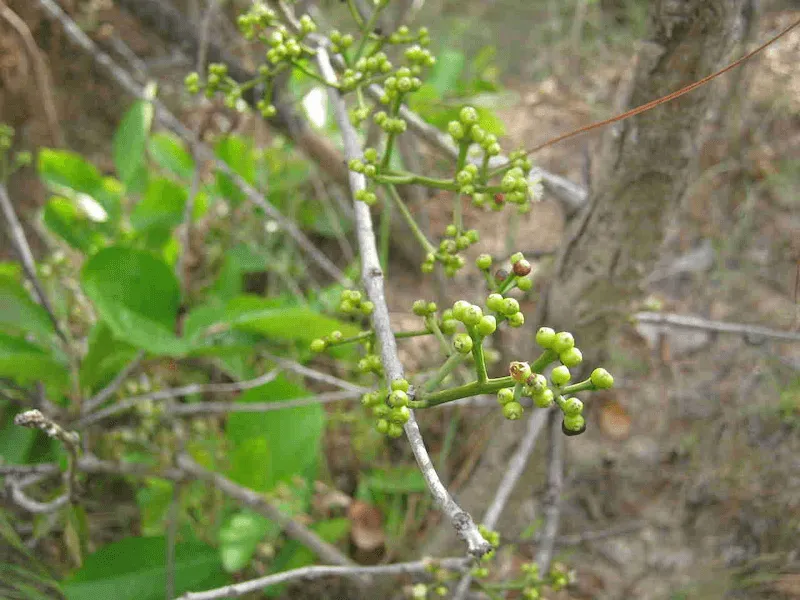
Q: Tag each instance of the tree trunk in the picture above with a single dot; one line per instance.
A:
(645, 163)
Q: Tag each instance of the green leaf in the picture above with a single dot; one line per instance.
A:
(154, 499)
(130, 140)
(257, 315)
(19, 313)
(169, 152)
(137, 295)
(161, 207)
(68, 174)
(239, 537)
(70, 224)
(238, 154)
(105, 358)
(26, 363)
(447, 71)
(134, 569)
(287, 441)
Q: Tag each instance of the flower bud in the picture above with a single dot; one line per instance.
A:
(602, 379)
(519, 371)
(560, 375)
(462, 343)
(563, 342)
(512, 411)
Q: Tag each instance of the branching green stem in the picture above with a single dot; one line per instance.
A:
(582, 386)
(430, 321)
(451, 363)
(477, 354)
(366, 335)
(409, 219)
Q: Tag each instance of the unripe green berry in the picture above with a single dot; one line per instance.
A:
(462, 242)
(398, 398)
(484, 262)
(573, 424)
(318, 345)
(468, 115)
(513, 411)
(449, 326)
(460, 308)
(472, 235)
(487, 325)
(544, 399)
(382, 426)
(472, 315)
(395, 430)
(516, 257)
(400, 385)
(462, 343)
(560, 375)
(602, 379)
(367, 307)
(495, 302)
(505, 396)
(524, 284)
(519, 371)
(420, 308)
(516, 320)
(563, 342)
(572, 406)
(400, 415)
(381, 411)
(510, 307)
(336, 336)
(536, 383)
(456, 130)
(571, 358)
(545, 337)
(451, 230)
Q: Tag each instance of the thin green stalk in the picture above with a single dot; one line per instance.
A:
(467, 390)
(582, 386)
(477, 354)
(354, 13)
(410, 178)
(518, 387)
(315, 76)
(451, 363)
(387, 152)
(409, 219)
(507, 284)
(365, 335)
(458, 219)
(430, 321)
(545, 359)
(367, 29)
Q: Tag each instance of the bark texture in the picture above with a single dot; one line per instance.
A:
(645, 165)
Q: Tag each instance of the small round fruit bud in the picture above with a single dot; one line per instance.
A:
(545, 337)
(318, 345)
(382, 426)
(367, 307)
(468, 115)
(381, 411)
(400, 385)
(563, 342)
(571, 358)
(519, 371)
(495, 302)
(544, 399)
(400, 415)
(512, 411)
(395, 430)
(456, 130)
(560, 375)
(516, 320)
(487, 325)
(516, 257)
(449, 326)
(420, 308)
(398, 398)
(336, 336)
(521, 268)
(510, 307)
(524, 284)
(451, 230)
(472, 315)
(484, 262)
(460, 309)
(572, 406)
(536, 383)
(505, 396)
(462, 343)
(573, 425)
(602, 379)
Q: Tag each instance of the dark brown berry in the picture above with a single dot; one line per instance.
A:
(521, 268)
(501, 275)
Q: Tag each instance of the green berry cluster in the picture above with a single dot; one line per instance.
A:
(340, 42)
(369, 167)
(558, 578)
(390, 408)
(422, 308)
(256, 20)
(403, 35)
(506, 308)
(352, 302)
(371, 363)
(332, 339)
